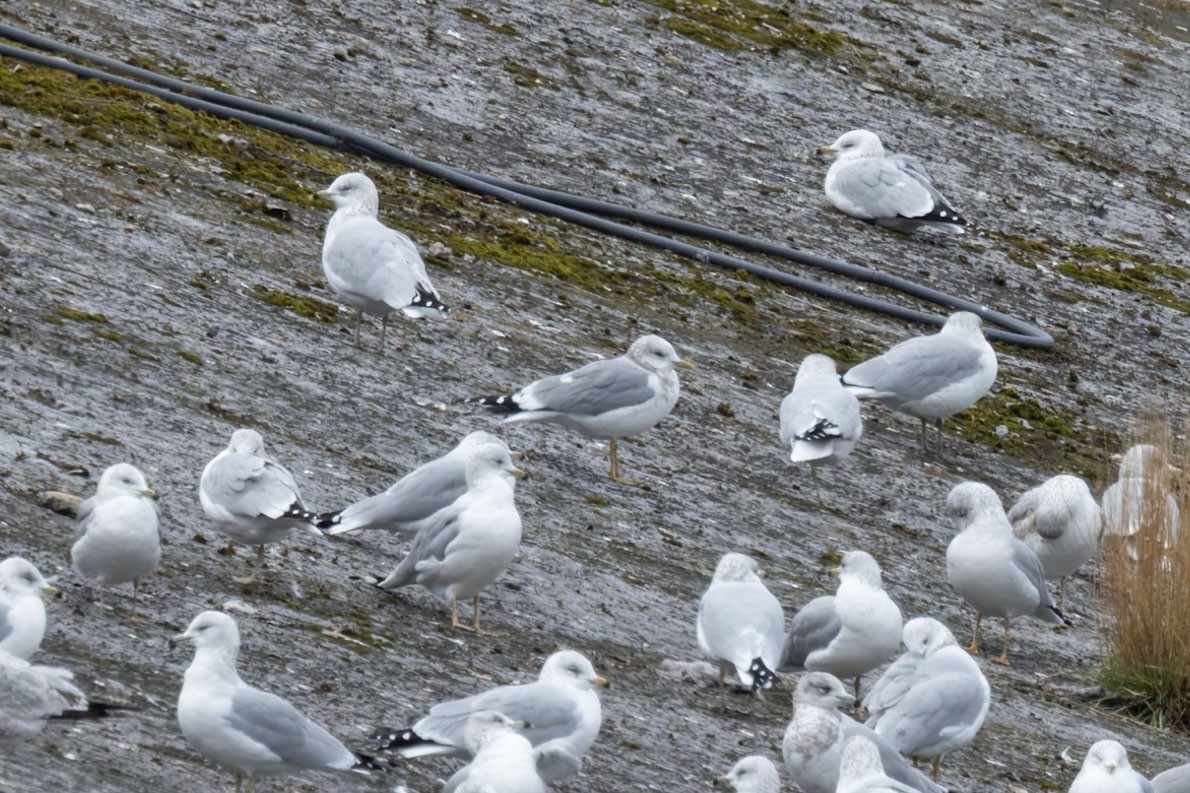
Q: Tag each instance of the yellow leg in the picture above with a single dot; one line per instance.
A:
(1003, 657)
(974, 648)
(937, 767)
(615, 458)
(250, 580)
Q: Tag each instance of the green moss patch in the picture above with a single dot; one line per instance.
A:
(78, 315)
(738, 24)
(308, 307)
(1125, 271)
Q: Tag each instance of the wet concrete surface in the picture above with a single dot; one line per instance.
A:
(1058, 125)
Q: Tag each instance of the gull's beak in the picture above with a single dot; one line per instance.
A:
(519, 473)
(520, 724)
(826, 151)
(150, 492)
(601, 682)
(49, 590)
(722, 781)
(836, 571)
(682, 363)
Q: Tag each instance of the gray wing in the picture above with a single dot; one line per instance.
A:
(35, 693)
(882, 187)
(944, 704)
(374, 262)
(895, 766)
(827, 408)
(82, 517)
(558, 761)
(813, 628)
(252, 486)
(278, 726)
(429, 547)
(916, 368)
(1175, 780)
(415, 497)
(1027, 562)
(1022, 516)
(550, 714)
(729, 610)
(5, 620)
(892, 686)
(594, 389)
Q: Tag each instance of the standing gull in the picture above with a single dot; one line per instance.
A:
(251, 497)
(1060, 521)
(22, 613)
(849, 633)
(467, 545)
(820, 419)
(31, 695)
(250, 731)
(415, 497)
(930, 377)
(118, 540)
(814, 740)
(610, 399)
(1106, 770)
(933, 699)
(992, 570)
(1140, 506)
(740, 624)
(893, 192)
(502, 761)
(372, 268)
(561, 709)
(751, 774)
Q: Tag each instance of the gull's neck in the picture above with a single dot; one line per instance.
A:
(367, 206)
(214, 663)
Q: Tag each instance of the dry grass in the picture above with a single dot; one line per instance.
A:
(1144, 597)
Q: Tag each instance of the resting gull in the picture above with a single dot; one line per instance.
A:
(118, 540)
(740, 624)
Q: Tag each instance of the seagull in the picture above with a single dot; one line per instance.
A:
(849, 633)
(372, 268)
(1060, 521)
(820, 419)
(415, 497)
(752, 774)
(502, 761)
(814, 740)
(933, 699)
(992, 570)
(118, 540)
(22, 613)
(740, 624)
(860, 770)
(1173, 780)
(252, 732)
(561, 709)
(610, 399)
(930, 377)
(893, 192)
(251, 498)
(31, 695)
(1140, 508)
(467, 545)
(1106, 770)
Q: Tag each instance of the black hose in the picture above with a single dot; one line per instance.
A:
(580, 210)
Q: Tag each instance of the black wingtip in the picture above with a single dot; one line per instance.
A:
(499, 403)
(942, 213)
(426, 299)
(389, 738)
(819, 432)
(328, 520)
(95, 710)
(299, 512)
(366, 763)
(762, 676)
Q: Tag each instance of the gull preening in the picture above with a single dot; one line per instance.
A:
(237, 726)
(820, 420)
(893, 192)
(372, 268)
(251, 497)
(740, 624)
(1060, 521)
(561, 707)
(31, 695)
(930, 377)
(467, 545)
(850, 633)
(1140, 509)
(990, 568)
(22, 612)
(608, 399)
(413, 498)
(118, 540)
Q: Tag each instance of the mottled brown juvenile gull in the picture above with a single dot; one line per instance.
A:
(251, 498)
(561, 709)
(814, 739)
(740, 624)
(930, 377)
(372, 268)
(608, 399)
(992, 570)
(1106, 770)
(466, 546)
(894, 192)
(1060, 521)
(118, 540)
(502, 759)
(252, 732)
(849, 633)
(415, 497)
(751, 774)
(933, 699)
(820, 420)
(22, 612)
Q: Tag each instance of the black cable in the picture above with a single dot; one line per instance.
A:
(580, 210)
